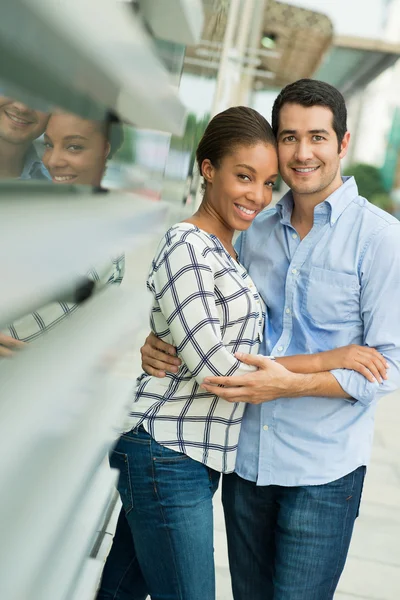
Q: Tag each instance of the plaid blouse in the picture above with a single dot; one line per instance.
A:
(206, 305)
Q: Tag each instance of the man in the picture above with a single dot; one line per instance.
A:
(19, 127)
(327, 264)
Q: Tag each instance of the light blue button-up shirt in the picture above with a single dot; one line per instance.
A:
(339, 285)
(33, 167)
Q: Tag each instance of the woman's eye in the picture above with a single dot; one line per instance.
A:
(244, 177)
(47, 145)
(75, 148)
(270, 184)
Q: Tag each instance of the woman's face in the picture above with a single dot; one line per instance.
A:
(75, 150)
(241, 186)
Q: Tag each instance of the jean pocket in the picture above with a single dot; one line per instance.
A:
(120, 461)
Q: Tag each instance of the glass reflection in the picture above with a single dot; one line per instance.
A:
(76, 149)
(19, 127)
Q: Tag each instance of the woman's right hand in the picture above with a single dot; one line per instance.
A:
(367, 361)
(158, 357)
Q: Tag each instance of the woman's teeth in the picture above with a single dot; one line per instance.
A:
(247, 211)
(63, 178)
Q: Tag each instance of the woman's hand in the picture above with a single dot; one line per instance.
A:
(367, 361)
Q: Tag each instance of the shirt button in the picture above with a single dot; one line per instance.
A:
(265, 427)
(280, 348)
(294, 236)
(294, 271)
(287, 311)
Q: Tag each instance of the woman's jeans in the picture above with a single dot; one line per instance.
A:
(289, 543)
(163, 545)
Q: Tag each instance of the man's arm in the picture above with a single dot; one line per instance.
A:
(272, 381)
(380, 312)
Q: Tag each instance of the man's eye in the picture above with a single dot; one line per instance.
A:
(75, 148)
(318, 138)
(47, 145)
(289, 138)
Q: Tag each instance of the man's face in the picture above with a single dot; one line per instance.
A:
(18, 123)
(309, 158)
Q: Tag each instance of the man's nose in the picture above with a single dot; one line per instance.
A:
(303, 151)
(23, 108)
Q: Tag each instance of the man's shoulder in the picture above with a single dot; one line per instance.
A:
(268, 218)
(373, 213)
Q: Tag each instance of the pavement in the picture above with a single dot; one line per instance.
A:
(372, 570)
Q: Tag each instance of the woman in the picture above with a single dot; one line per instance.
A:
(180, 438)
(76, 149)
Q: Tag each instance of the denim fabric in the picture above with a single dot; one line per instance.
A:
(167, 508)
(289, 543)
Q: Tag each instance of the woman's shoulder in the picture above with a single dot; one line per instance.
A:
(183, 234)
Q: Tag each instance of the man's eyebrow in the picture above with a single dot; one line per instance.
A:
(317, 131)
(294, 131)
(252, 169)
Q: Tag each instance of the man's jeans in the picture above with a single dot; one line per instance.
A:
(163, 546)
(289, 543)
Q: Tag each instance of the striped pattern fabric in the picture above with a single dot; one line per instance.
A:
(32, 326)
(206, 305)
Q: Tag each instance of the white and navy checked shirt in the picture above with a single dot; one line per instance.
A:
(206, 305)
(30, 327)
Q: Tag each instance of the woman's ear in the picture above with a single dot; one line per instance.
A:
(107, 150)
(207, 170)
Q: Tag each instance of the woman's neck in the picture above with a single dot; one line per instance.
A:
(210, 221)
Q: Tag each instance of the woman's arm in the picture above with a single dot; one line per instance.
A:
(367, 361)
(183, 285)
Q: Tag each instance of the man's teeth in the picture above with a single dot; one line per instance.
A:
(63, 178)
(308, 170)
(18, 120)
(247, 211)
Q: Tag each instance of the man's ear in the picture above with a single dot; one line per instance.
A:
(207, 170)
(107, 149)
(344, 146)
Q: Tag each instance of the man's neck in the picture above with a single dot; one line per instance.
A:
(12, 157)
(304, 205)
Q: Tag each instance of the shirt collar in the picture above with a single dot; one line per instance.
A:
(33, 166)
(336, 202)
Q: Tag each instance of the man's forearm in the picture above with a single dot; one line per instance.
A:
(316, 384)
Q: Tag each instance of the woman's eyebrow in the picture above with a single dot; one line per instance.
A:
(74, 137)
(246, 167)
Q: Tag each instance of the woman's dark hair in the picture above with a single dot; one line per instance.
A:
(236, 126)
(310, 92)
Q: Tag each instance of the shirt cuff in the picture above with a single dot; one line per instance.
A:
(356, 385)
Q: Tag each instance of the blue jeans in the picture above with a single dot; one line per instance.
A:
(289, 543)
(163, 546)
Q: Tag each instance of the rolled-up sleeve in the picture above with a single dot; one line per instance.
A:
(380, 312)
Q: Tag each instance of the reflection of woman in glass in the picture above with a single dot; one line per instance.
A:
(76, 149)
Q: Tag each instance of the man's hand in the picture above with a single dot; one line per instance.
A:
(8, 345)
(271, 381)
(158, 357)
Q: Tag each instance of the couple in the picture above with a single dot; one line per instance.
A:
(284, 343)
(75, 151)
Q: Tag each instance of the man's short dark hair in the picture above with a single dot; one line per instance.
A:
(310, 92)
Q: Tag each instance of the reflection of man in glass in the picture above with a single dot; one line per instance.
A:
(19, 127)
(76, 149)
